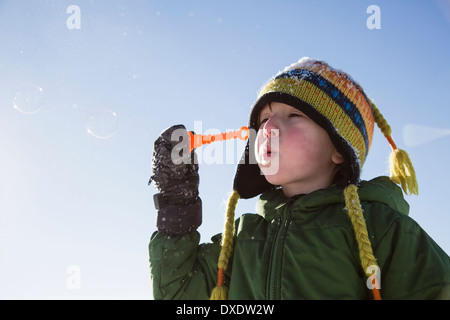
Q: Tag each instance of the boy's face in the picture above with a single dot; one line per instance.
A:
(304, 155)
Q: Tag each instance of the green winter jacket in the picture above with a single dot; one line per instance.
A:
(304, 248)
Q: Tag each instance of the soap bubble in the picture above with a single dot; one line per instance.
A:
(102, 123)
(28, 98)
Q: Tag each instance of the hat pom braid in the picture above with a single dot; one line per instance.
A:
(220, 292)
(401, 169)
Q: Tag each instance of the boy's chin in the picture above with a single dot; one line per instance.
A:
(269, 168)
(271, 176)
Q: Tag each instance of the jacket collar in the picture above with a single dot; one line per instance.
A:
(380, 189)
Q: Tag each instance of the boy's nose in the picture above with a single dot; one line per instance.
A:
(271, 128)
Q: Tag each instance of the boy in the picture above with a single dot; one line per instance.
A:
(319, 232)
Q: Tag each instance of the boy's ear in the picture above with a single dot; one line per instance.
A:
(336, 157)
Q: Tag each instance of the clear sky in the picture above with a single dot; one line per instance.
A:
(83, 96)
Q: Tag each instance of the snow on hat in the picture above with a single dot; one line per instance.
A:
(338, 104)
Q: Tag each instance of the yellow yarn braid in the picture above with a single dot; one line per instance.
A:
(401, 168)
(362, 237)
(220, 292)
(380, 120)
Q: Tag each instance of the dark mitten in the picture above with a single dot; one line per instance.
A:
(175, 175)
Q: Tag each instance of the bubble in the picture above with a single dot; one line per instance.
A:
(102, 123)
(28, 98)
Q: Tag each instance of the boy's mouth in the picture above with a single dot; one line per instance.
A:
(268, 151)
(265, 153)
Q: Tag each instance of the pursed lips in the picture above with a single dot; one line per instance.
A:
(266, 152)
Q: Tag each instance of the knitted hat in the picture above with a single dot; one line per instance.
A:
(339, 105)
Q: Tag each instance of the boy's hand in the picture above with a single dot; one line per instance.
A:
(175, 174)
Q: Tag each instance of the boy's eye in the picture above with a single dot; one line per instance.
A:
(294, 115)
(263, 121)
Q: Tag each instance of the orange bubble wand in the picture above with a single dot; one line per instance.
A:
(197, 140)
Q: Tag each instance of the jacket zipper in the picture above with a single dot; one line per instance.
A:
(275, 267)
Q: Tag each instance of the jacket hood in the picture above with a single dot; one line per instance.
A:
(381, 190)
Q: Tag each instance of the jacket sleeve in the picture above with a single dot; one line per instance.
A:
(181, 268)
(413, 266)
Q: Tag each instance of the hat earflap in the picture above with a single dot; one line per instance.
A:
(220, 292)
(401, 169)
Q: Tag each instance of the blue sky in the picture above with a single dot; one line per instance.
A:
(80, 109)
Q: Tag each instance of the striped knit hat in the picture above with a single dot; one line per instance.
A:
(338, 104)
